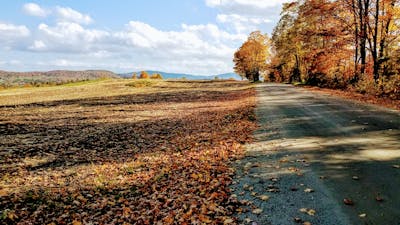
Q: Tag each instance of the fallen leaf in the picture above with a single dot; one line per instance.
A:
(76, 222)
(257, 211)
(396, 166)
(307, 223)
(348, 201)
(273, 190)
(308, 190)
(362, 215)
(379, 198)
(228, 221)
(297, 220)
(274, 179)
(356, 178)
(204, 219)
(248, 220)
(304, 210)
(311, 212)
(264, 197)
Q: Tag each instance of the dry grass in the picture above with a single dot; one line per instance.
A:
(73, 153)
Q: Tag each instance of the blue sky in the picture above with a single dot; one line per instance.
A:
(184, 36)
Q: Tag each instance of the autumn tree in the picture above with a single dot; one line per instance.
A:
(287, 58)
(144, 75)
(251, 58)
(337, 43)
(156, 76)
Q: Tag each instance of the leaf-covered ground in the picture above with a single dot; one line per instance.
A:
(151, 155)
(363, 98)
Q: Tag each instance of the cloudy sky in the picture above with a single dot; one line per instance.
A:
(184, 36)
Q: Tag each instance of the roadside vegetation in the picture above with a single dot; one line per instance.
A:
(112, 153)
(350, 45)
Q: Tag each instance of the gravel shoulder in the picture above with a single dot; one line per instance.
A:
(313, 151)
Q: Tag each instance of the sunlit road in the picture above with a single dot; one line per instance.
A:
(339, 149)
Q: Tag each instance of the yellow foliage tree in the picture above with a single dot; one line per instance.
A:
(251, 58)
(156, 76)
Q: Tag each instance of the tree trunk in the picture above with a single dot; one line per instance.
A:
(356, 40)
(363, 6)
(256, 76)
(374, 47)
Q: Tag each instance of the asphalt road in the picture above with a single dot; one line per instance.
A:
(338, 148)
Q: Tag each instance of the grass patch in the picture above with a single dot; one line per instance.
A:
(85, 82)
(143, 83)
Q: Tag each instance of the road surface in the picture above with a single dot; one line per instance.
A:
(311, 152)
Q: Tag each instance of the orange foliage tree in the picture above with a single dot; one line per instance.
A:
(144, 75)
(338, 43)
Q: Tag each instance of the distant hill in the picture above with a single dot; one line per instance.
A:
(166, 75)
(9, 79)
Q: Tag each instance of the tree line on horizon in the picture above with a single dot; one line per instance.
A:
(343, 44)
(146, 75)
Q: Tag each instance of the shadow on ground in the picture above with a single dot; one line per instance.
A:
(338, 148)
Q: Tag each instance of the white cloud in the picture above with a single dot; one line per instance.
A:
(68, 37)
(33, 9)
(243, 24)
(191, 42)
(63, 14)
(245, 16)
(13, 36)
(38, 45)
(245, 6)
(200, 49)
(8, 31)
(66, 14)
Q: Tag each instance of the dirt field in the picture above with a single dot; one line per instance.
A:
(119, 151)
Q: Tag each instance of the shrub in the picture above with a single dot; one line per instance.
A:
(141, 83)
(156, 76)
(385, 87)
(144, 75)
